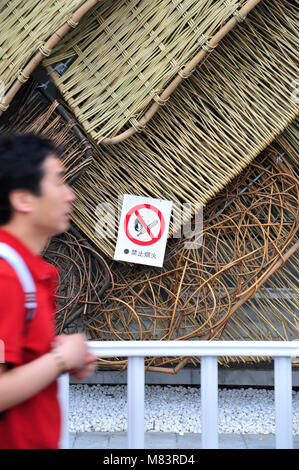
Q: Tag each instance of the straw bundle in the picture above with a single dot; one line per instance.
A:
(211, 129)
(32, 27)
(124, 53)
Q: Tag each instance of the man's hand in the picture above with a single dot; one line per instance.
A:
(79, 361)
(87, 369)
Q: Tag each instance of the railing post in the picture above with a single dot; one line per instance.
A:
(136, 402)
(209, 402)
(63, 396)
(283, 402)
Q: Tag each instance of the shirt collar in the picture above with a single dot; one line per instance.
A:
(40, 269)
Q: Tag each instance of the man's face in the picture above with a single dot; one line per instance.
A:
(51, 211)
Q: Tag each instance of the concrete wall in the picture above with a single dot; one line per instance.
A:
(261, 375)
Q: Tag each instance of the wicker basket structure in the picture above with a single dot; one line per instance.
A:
(199, 148)
(29, 31)
(240, 284)
(124, 54)
(213, 126)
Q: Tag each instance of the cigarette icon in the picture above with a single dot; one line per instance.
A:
(140, 229)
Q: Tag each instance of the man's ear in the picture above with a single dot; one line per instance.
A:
(21, 201)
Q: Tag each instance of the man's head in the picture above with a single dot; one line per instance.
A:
(32, 188)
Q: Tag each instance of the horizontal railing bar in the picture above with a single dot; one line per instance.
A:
(282, 351)
(194, 348)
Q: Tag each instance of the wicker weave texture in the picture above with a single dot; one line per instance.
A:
(39, 116)
(212, 128)
(250, 233)
(125, 52)
(25, 26)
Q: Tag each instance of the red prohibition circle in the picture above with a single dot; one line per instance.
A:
(134, 210)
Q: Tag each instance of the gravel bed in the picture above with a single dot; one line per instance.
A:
(174, 409)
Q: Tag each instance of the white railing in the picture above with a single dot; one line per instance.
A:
(209, 351)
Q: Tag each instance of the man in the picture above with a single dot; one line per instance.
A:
(35, 204)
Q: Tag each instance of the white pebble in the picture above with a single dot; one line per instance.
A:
(174, 409)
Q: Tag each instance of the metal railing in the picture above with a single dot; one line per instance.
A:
(209, 351)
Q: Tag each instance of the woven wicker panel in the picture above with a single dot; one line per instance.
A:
(273, 313)
(248, 233)
(27, 28)
(289, 142)
(124, 53)
(213, 126)
(240, 284)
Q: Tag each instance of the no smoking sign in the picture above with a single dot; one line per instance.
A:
(143, 230)
(144, 224)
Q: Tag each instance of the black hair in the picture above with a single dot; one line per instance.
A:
(21, 160)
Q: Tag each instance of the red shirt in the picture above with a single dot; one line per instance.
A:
(35, 423)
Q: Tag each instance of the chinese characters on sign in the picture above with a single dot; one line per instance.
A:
(146, 254)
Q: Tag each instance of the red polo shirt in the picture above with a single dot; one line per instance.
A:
(35, 423)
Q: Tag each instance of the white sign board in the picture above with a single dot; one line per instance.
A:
(143, 230)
